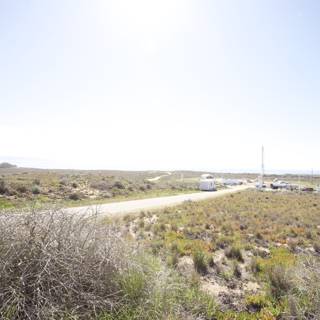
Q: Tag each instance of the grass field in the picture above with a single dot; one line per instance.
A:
(20, 187)
(250, 255)
(247, 250)
(246, 256)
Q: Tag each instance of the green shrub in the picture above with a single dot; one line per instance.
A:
(141, 224)
(35, 190)
(36, 182)
(234, 252)
(3, 187)
(74, 196)
(119, 185)
(223, 241)
(199, 303)
(316, 247)
(21, 189)
(200, 260)
(174, 227)
(237, 270)
(101, 186)
(279, 280)
(255, 265)
(63, 182)
(142, 214)
(156, 247)
(257, 302)
(133, 285)
(259, 236)
(107, 195)
(173, 259)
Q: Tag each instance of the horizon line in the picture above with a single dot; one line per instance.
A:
(219, 171)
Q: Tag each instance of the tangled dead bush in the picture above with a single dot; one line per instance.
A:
(304, 297)
(54, 264)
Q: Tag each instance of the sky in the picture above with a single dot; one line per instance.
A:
(160, 85)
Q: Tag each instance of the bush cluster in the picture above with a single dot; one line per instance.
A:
(304, 293)
(54, 265)
(3, 187)
(200, 261)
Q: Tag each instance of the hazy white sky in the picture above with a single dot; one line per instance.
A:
(171, 84)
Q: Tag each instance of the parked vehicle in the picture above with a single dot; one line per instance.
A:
(308, 189)
(207, 183)
(279, 185)
(259, 186)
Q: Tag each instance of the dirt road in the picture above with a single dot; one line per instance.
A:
(159, 177)
(117, 208)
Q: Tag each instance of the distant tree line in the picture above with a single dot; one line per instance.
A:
(6, 165)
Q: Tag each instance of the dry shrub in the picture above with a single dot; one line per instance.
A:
(304, 296)
(21, 188)
(316, 247)
(74, 196)
(100, 185)
(54, 265)
(3, 187)
(237, 270)
(234, 252)
(118, 185)
(279, 280)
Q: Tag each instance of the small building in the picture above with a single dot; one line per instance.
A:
(207, 183)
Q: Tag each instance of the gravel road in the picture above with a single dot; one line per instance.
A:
(132, 206)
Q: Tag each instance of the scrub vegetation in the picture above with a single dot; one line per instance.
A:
(59, 266)
(20, 187)
(246, 256)
(256, 253)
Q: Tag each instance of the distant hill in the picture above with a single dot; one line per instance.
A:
(6, 165)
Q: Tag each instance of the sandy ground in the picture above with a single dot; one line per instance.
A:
(132, 206)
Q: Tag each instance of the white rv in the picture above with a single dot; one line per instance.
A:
(207, 183)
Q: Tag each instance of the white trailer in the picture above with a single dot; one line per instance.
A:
(207, 183)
